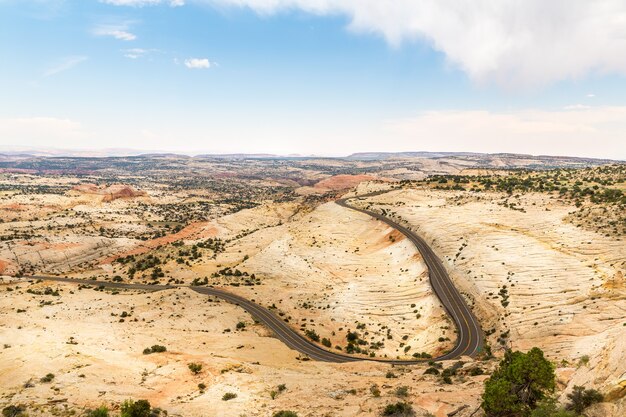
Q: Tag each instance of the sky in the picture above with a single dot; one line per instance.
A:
(315, 77)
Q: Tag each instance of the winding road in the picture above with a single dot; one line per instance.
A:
(469, 334)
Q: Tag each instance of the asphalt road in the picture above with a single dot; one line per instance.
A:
(469, 334)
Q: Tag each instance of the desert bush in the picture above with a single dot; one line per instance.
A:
(581, 398)
(431, 371)
(476, 371)
(312, 335)
(201, 386)
(229, 396)
(550, 408)
(47, 378)
(402, 391)
(284, 413)
(154, 349)
(13, 411)
(375, 391)
(139, 408)
(400, 409)
(195, 368)
(101, 411)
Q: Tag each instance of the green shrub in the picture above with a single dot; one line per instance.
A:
(47, 378)
(402, 391)
(201, 386)
(139, 408)
(101, 411)
(326, 342)
(195, 368)
(431, 371)
(312, 335)
(283, 413)
(548, 407)
(581, 398)
(154, 349)
(401, 409)
(229, 396)
(13, 411)
(476, 371)
(375, 391)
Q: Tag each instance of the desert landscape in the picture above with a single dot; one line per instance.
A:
(537, 254)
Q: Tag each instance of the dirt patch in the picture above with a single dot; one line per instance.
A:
(111, 192)
(342, 182)
(193, 231)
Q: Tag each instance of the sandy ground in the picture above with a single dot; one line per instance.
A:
(97, 358)
(564, 285)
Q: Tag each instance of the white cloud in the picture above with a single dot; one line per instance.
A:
(197, 63)
(66, 64)
(117, 31)
(513, 43)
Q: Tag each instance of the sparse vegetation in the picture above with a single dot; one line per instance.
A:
(580, 398)
(47, 378)
(139, 408)
(13, 411)
(101, 411)
(229, 396)
(154, 349)
(400, 409)
(195, 368)
(285, 414)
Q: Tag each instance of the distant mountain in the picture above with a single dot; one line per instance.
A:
(87, 153)
(365, 156)
(487, 159)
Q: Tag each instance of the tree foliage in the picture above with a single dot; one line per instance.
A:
(550, 408)
(139, 408)
(102, 411)
(519, 383)
(581, 398)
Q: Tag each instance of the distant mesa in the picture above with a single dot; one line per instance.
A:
(111, 192)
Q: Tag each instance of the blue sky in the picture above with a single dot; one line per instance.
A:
(317, 77)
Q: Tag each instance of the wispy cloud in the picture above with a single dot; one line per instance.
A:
(141, 3)
(577, 107)
(119, 31)
(198, 63)
(137, 53)
(64, 65)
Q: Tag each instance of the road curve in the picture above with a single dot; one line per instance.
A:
(469, 334)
